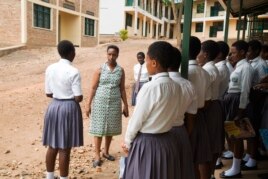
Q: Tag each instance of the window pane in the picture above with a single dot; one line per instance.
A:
(41, 16)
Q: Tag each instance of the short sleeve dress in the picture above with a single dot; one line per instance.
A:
(106, 110)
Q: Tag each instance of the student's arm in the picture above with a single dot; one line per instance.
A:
(93, 88)
(123, 94)
(189, 122)
(76, 87)
(48, 91)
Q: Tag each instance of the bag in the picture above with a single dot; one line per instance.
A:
(240, 129)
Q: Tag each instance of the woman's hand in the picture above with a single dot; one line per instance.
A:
(88, 111)
(125, 149)
(125, 111)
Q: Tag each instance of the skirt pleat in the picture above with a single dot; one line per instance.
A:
(200, 140)
(214, 121)
(153, 156)
(185, 153)
(63, 125)
(231, 105)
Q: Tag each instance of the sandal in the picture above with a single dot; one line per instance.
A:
(96, 163)
(108, 157)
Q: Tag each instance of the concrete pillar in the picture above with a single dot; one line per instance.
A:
(135, 22)
(144, 26)
(152, 28)
(23, 21)
(204, 22)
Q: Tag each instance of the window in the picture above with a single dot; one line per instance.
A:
(239, 25)
(181, 28)
(46, 1)
(138, 23)
(199, 27)
(200, 8)
(218, 25)
(128, 20)
(129, 2)
(89, 27)
(41, 16)
(213, 31)
(265, 24)
(218, 6)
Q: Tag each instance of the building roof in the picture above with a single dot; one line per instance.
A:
(255, 7)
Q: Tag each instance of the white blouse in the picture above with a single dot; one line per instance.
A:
(63, 80)
(214, 79)
(144, 73)
(224, 74)
(200, 80)
(240, 82)
(158, 106)
(189, 95)
(260, 69)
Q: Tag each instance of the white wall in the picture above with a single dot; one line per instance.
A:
(111, 16)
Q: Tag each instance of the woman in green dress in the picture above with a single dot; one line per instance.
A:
(104, 106)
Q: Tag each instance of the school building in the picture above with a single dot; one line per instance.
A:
(152, 19)
(46, 22)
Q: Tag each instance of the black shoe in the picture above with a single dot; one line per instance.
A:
(243, 162)
(246, 168)
(109, 157)
(222, 175)
(219, 166)
(96, 163)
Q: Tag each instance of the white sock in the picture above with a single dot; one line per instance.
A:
(218, 161)
(64, 177)
(235, 169)
(50, 175)
(251, 162)
(246, 157)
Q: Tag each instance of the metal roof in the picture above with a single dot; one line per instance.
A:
(254, 7)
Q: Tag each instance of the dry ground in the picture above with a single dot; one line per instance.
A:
(23, 103)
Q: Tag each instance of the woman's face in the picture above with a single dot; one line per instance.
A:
(112, 56)
(251, 54)
(140, 59)
(150, 65)
(201, 58)
(236, 55)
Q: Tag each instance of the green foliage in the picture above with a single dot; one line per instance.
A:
(166, 2)
(123, 34)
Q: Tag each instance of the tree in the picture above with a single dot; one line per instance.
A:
(177, 8)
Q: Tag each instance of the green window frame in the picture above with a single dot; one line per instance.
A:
(200, 8)
(42, 16)
(199, 27)
(129, 2)
(218, 25)
(138, 23)
(89, 27)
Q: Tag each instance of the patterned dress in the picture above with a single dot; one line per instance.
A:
(106, 113)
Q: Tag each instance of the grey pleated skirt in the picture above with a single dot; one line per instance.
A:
(231, 105)
(200, 140)
(153, 156)
(214, 120)
(134, 95)
(63, 124)
(185, 153)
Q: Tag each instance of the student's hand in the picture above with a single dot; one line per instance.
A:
(125, 149)
(88, 111)
(125, 111)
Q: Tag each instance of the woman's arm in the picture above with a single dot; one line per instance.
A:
(123, 94)
(93, 88)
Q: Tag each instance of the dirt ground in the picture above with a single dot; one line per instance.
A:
(23, 104)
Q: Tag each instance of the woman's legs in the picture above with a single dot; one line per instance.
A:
(204, 170)
(64, 160)
(97, 141)
(51, 158)
(108, 140)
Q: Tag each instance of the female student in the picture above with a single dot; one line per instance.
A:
(63, 127)
(152, 149)
(237, 99)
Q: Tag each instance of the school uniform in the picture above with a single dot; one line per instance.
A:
(152, 147)
(190, 106)
(237, 96)
(63, 125)
(200, 137)
(213, 113)
(141, 77)
(259, 66)
(229, 66)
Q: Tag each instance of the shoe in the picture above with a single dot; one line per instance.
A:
(108, 157)
(219, 166)
(243, 162)
(96, 163)
(246, 168)
(227, 155)
(222, 175)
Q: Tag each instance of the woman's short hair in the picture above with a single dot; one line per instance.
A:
(113, 47)
(241, 45)
(162, 52)
(211, 48)
(65, 47)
